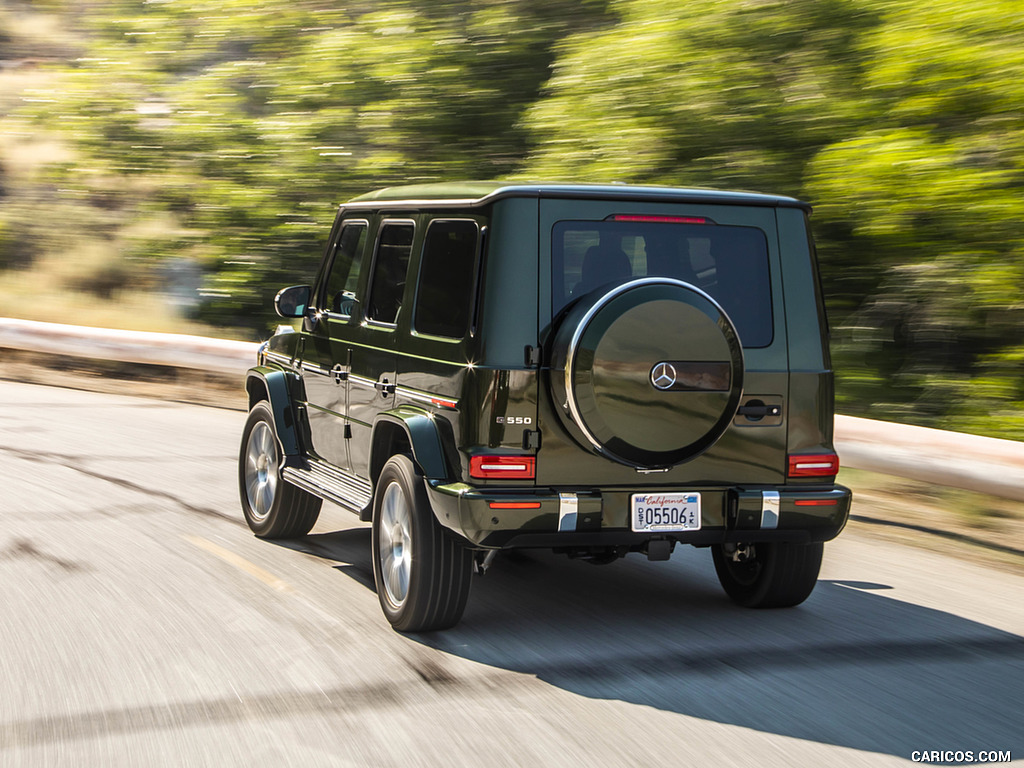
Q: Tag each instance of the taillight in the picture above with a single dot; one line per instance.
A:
(505, 467)
(813, 465)
(658, 219)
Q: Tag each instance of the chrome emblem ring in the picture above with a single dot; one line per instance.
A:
(663, 376)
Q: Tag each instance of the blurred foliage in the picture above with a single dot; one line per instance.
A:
(140, 135)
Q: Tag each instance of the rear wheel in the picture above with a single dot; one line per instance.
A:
(776, 575)
(422, 573)
(273, 508)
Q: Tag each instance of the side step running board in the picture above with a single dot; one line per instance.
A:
(343, 488)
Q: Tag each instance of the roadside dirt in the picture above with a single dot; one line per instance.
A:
(181, 385)
(972, 526)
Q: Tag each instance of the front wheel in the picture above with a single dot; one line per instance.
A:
(273, 508)
(422, 573)
(775, 575)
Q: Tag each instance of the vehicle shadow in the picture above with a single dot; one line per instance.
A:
(349, 548)
(851, 667)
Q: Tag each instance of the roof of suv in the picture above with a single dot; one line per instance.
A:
(482, 192)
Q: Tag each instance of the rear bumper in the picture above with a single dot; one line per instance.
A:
(553, 518)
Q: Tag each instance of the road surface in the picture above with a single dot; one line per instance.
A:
(143, 624)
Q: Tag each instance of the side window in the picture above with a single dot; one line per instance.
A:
(389, 269)
(444, 297)
(344, 275)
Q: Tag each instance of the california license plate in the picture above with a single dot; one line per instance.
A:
(657, 512)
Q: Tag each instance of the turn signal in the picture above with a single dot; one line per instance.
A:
(813, 465)
(506, 467)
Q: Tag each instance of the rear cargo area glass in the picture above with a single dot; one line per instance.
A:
(729, 263)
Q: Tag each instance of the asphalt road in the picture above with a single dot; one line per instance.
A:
(141, 623)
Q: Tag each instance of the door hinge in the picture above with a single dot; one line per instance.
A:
(531, 439)
(531, 356)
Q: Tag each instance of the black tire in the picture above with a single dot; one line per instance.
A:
(273, 508)
(779, 575)
(421, 571)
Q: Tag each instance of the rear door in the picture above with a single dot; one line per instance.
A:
(727, 252)
(373, 373)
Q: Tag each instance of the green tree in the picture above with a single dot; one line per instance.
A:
(240, 125)
(705, 93)
(932, 192)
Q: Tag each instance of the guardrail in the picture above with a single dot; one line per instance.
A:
(951, 459)
(177, 350)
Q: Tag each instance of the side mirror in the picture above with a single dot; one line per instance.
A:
(293, 302)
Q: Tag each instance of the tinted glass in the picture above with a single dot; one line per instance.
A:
(729, 263)
(444, 299)
(344, 276)
(389, 269)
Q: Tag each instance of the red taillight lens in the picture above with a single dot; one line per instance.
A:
(658, 219)
(507, 467)
(813, 465)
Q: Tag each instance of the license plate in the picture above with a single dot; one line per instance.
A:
(664, 512)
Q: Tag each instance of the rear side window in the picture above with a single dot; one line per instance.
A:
(444, 299)
(729, 263)
(389, 269)
(344, 275)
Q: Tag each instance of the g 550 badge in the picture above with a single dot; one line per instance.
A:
(514, 420)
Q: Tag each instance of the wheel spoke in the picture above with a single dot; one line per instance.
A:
(252, 487)
(388, 512)
(267, 442)
(394, 537)
(398, 578)
(261, 501)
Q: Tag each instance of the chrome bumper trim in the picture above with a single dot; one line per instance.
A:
(770, 501)
(568, 506)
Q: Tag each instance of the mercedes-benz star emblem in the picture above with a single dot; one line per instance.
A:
(663, 376)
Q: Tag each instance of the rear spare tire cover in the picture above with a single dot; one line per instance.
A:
(648, 374)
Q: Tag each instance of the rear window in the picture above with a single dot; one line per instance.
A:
(728, 263)
(447, 272)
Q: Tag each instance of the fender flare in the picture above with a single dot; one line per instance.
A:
(276, 387)
(423, 432)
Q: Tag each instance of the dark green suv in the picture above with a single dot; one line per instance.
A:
(595, 370)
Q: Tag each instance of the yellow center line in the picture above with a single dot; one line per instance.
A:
(242, 564)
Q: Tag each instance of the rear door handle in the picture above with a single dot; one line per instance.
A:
(759, 411)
